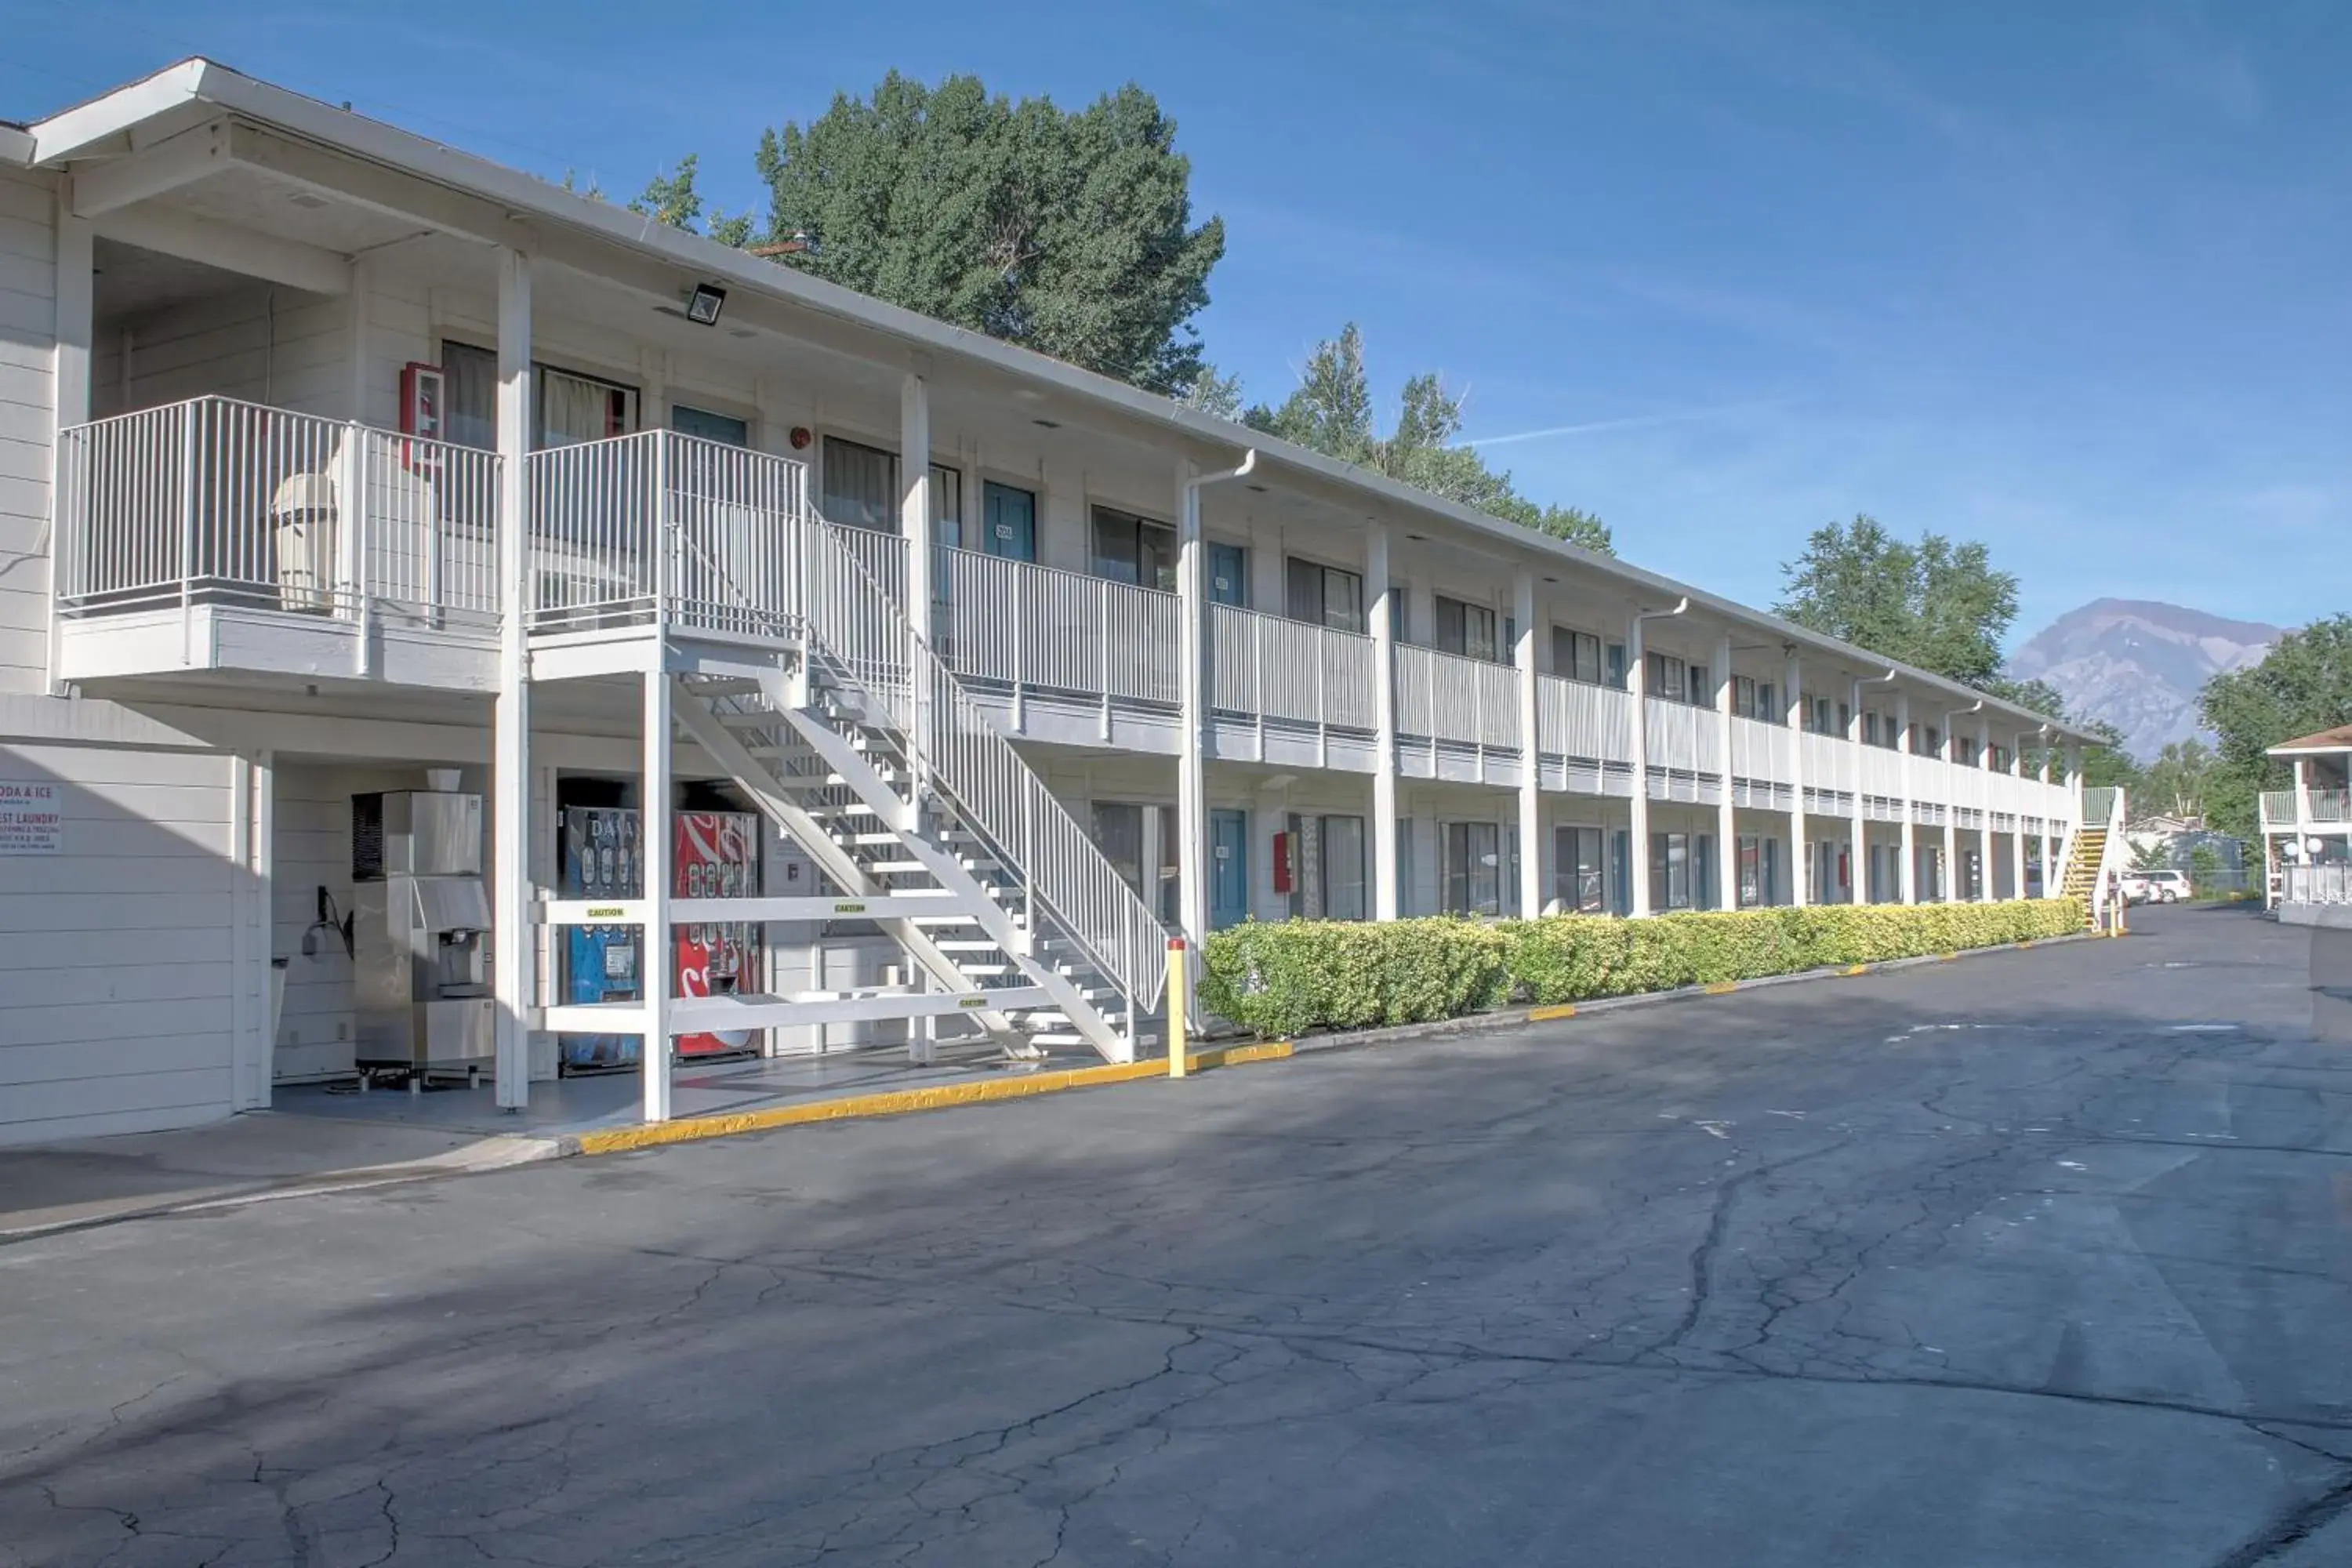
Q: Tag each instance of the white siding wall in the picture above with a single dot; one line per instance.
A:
(27, 343)
(265, 344)
(116, 955)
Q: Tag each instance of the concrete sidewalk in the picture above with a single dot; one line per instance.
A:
(92, 1181)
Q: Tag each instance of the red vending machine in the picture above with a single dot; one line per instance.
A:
(717, 856)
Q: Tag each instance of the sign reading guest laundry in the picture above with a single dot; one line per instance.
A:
(29, 819)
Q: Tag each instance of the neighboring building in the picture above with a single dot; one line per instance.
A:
(371, 456)
(2307, 831)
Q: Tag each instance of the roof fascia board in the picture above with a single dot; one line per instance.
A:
(518, 195)
(166, 166)
(102, 124)
(15, 146)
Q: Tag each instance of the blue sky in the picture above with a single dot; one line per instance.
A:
(2072, 280)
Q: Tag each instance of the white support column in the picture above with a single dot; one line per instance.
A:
(1984, 814)
(915, 501)
(1386, 895)
(69, 368)
(1908, 871)
(1726, 816)
(1637, 850)
(1857, 861)
(654, 861)
(1523, 655)
(2048, 839)
(1948, 882)
(2302, 797)
(2017, 830)
(1800, 862)
(511, 938)
(1191, 782)
(251, 981)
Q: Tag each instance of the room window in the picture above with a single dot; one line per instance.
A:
(1323, 595)
(1757, 699)
(1666, 677)
(1576, 655)
(1131, 549)
(1466, 629)
(1577, 882)
(861, 486)
(1474, 868)
(566, 408)
(1870, 729)
(1613, 665)
(1701, 690)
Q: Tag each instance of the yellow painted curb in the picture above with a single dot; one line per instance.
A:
(1856, 969)
(1946, 957)
(1722, 987)
(904, 1101)
(1546, 1015)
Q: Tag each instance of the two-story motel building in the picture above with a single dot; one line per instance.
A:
(329, 454)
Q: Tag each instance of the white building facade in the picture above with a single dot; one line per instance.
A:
(328, 455)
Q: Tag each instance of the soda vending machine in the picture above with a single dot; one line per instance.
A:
(718, 857)
(600, 963)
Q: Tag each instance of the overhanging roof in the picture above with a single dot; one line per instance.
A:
(149, 112)
(2339, 738)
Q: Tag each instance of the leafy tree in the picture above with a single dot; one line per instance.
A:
(2302, 686)
(2174, 785)
(1934, 604)
(1330, 411)
(670, 197)
(2205, 868)
(1213, 394)
(1070, 232)
(2156, 855)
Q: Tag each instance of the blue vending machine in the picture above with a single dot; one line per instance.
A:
(600, 963)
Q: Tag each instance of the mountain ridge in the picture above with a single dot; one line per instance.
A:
(2140, 665)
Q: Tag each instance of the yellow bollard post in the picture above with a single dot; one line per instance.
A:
(1176, 978)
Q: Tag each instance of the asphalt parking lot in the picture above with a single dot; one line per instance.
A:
(2039, 1258)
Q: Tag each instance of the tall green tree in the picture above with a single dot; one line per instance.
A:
(2303, 685)
(1067, 232)
(1934, 604)
(2174, 785)
(671, 197)
(1331, 411)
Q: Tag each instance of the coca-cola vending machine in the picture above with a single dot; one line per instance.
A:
(718, 857)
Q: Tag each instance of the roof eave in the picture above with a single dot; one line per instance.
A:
(90, 125)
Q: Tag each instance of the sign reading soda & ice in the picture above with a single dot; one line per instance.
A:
(29, 819)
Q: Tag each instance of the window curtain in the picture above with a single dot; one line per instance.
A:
(572, 408)
(470, 402)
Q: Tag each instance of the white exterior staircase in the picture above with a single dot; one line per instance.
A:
(796, 670)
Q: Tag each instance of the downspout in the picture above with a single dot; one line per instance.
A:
(1191, 784)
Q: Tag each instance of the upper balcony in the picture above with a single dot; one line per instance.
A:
(220, 535)
(224, 536)
(2318, 807)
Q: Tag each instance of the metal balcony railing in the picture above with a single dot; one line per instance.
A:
(220, 502)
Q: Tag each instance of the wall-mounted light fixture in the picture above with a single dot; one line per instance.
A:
(702, 306)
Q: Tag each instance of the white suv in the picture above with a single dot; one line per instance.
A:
(2154, 886)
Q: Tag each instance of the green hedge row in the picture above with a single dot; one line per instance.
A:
(1287, 978)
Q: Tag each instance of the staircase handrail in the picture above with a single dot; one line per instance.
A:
(865, 638)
